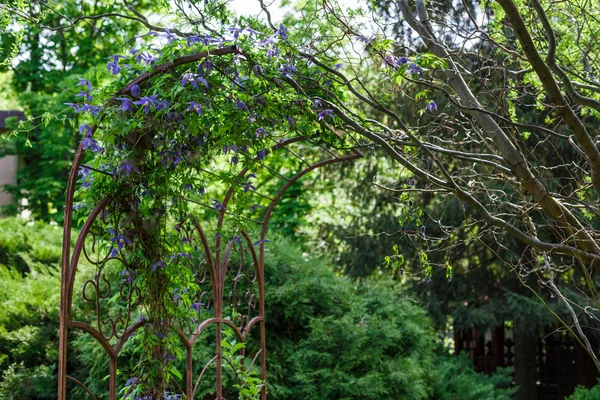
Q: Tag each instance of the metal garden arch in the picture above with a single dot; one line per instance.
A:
(240, 287)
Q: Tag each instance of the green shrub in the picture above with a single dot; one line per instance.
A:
(583, 393)
(327, 337)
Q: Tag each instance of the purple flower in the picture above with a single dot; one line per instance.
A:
(84, 82)
(148, 103)
(236, 32)
(159, 335)
(234, 160)
(195, 107)
(90, 108)
(85, 130)
(218, 206)
(120, 240)
(241, 105)
(267, 41)
(188, 187)
(287, 70)
(84, 172)
(260, 242)
(236, 238)
(78, 206)
(431, 106)
(248, 185)
(254, 207)
(127, 168)
(282, 31)
(192, 40)
(290, 120)
(89, 143)
(363, 39)
(261, 154)
(169, 357)
(87, 184)
(131, 381)
(160, 264)
(184, 255)
(86, 95)
(261, 132)
(113, 66)
(136, 91)
(415, 69)
(126, 103)
(170, 37)
(127, 275)
(258, 69)
(338, 66)
(205, 65)
(196, 306)
(316, 103)
(325, 113)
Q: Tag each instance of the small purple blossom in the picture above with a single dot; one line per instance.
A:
(267, 41)
(113, 66)
(197, 107)
(126, 105)
(148, 102)
(260, 242)
(86, 95)
(127, 275)
(218, 206)
(325, 113)
(317, 103)
(127, 168)
(183, 255)
(159, 263)
(89, 143)
(261, 132)
(136, 91)
(121, 241)
(241, 105)
(287, 70)
(84, 172)
(254, 207)
(236, 32)
(85, 82)
(415, 69)
(363, 39)
(431, 106)
(85, 130)
(282, 31)
(192, 40)
(131, 381)
(338, 66)
(169, 36)
(258, 69)
(261, 154)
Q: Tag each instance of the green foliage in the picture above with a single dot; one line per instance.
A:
(457, 380)
(583, 393)
(326, 336)
(29, 298)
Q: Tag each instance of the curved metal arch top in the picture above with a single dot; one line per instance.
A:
(225, 285)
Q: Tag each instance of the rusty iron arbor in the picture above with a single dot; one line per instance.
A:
(237, 286)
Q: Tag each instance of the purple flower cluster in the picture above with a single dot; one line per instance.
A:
(113, 65)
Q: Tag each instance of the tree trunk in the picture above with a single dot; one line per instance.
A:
(525, 364)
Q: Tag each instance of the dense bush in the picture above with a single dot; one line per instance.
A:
(582, 393)
(328, 337)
